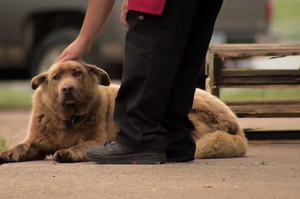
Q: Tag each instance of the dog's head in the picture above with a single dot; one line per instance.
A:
(71, 82)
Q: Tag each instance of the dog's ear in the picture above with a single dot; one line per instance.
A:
(103, 77)
(38, 80)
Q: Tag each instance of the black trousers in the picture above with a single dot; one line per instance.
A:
(162, 61)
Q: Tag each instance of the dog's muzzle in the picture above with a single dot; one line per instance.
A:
(67, 90)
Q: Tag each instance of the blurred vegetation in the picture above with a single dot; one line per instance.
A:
(286, 20)
(15, 95)
(259, 94)
(3, 145)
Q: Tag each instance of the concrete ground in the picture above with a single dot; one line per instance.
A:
(268, 172)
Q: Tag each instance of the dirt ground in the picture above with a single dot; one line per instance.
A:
(267, 171)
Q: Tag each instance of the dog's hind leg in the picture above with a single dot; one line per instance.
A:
(22, 152)
(221, 145)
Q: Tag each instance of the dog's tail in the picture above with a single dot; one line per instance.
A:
(221, 145)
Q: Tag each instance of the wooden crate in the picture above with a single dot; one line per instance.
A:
(218, 78)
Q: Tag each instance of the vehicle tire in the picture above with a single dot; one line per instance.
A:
(47, 51)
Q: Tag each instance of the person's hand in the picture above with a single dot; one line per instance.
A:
(74, 51)
(124, 12)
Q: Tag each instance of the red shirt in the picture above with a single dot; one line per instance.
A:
(148, 6)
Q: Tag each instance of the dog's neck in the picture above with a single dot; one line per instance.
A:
(75, 119)
(70, 115)
(69, 121)
(72, 121)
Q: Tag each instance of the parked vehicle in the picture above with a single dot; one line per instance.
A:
(33, 33)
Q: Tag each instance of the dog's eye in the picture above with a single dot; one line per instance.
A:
(56, 77)
(77, 73)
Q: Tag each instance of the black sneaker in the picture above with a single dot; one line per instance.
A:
(114, 153)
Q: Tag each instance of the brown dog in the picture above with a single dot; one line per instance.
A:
(72, 112)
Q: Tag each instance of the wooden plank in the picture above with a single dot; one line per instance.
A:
(207, 62)
(264, 112)
(291, 102)
(273, 137)
(249, 78)
(235, 72)
(249, 50)
(213, 69)
(217, 74)
(215, 91)
(254, 46)
(242, 54)
(209, 71)
(274, 142)
(265, 108)
(270, 124)
(269, 86)
(218, 68)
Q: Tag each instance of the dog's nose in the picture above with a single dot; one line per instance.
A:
(67, 89)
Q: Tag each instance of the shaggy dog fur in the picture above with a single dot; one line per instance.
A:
(65, 124)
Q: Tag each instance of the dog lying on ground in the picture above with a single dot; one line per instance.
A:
(73, 108)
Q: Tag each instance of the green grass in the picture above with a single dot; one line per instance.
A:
(3, 143)
(286, 20)
(15, 96)
(259, 94)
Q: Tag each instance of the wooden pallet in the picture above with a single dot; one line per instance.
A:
(265, 108)
(273, 137)
(259, 78)
(218, 77)
(250, 50)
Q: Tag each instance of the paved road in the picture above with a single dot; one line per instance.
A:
(268, 172)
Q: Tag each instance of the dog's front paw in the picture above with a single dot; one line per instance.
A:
(4, 157)
(63, 156)
(9, 156)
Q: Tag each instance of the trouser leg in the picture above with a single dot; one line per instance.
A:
(154, 46)
(175, 120)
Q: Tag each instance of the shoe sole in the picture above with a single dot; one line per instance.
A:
(143, 158)
(174, 160)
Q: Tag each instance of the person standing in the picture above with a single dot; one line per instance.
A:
(165, 48)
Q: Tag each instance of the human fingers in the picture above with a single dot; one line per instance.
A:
(67, 58)
(124, 12)
(62, 56)
(124, 17)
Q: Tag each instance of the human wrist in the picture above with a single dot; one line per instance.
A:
(85, 40)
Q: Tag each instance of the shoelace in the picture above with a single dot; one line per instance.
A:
(109, 143)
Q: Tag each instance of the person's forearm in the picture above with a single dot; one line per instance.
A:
(96, 15)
